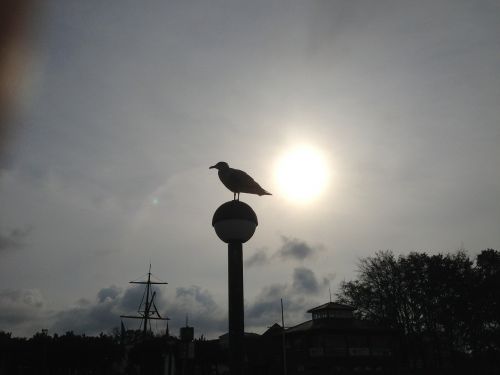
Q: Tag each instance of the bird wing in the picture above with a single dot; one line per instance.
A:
(245, 183)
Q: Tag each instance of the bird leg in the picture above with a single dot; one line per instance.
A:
(234, 196)
(238, 196)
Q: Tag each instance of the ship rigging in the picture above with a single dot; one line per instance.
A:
(147, 310)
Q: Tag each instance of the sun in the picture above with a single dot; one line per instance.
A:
(302, 174)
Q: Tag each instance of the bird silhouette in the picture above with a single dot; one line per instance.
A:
(238, 181)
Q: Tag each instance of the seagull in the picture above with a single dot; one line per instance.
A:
(238, 181)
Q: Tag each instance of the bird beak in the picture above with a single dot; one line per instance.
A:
(213, 166)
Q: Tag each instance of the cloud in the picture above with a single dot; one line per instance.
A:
(19, 306)
(92, 317)
(304, 281)
(291, 249)
(13, 239)
(103, 314)
(200, 307)
(303, 292)
(266, 305)
(132, 297)
(108, 293)
(195, 294)
(25, 311)
(258, 259)
(296, 249)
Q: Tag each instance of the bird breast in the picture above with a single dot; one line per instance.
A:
(229, 180)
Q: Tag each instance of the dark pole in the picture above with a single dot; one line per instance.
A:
(283, 338)
(236, 320)
(146, 308)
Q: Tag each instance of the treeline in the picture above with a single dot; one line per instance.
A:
(445, 306)
(129, 353)
(60, 354)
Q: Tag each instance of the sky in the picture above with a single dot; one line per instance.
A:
(124, 105)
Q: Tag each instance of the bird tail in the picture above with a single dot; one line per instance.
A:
(264, 192)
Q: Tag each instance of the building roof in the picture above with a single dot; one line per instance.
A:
(337, 325)
(225, 336)
(273, 330)
(331, 306)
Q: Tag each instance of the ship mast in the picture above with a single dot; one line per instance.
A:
(150, 312)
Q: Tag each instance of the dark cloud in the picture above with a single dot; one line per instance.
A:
(132, 297)
(296, 249)
(304, 280)
(201, 297)
(103, 314)
(108, 293)
(13, 239)
(25, 309)
(92, 317)
(303, 292)
(266, 307)
(258, 259)
(19, 306)
(200, 307)
(291, 248)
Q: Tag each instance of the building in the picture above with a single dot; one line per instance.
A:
(334, 342)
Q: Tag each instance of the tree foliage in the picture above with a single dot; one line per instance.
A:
(446, 301)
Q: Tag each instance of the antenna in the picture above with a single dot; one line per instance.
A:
(283, 336)
(330, 291)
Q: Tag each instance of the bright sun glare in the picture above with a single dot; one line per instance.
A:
(302, 174)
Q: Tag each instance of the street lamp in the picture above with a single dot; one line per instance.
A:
(235, 223)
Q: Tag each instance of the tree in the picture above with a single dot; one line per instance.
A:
(443, 303)
(488, 300)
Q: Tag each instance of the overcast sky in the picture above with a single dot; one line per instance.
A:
(125, 105)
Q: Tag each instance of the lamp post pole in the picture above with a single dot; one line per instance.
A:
(236, 313)
(235, 223)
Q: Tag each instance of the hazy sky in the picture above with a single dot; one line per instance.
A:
(126, 104)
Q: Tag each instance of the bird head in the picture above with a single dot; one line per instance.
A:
(220, 166)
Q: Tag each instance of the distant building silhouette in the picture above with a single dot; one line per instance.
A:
(332, 342)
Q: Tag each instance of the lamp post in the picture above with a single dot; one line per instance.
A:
(235, 223)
